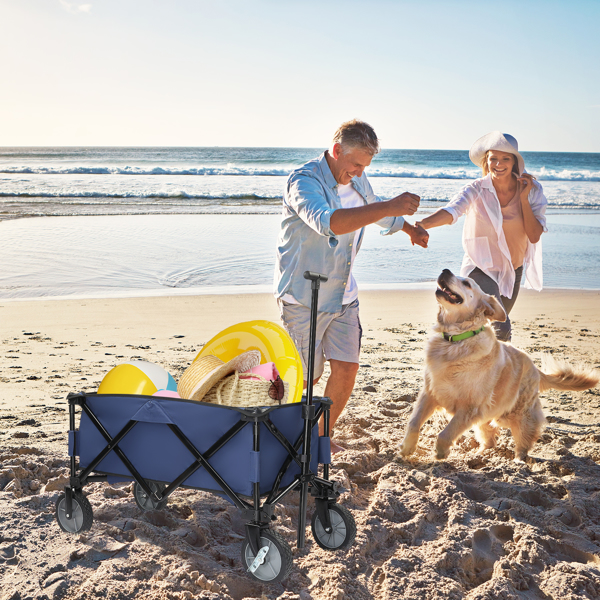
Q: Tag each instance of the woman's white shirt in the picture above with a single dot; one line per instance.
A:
(483, 237)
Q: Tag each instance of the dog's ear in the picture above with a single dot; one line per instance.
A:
(493, 310)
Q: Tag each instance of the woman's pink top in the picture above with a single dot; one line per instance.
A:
(514, 230)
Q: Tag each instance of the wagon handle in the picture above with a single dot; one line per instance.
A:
(315, 279)
(308, 410)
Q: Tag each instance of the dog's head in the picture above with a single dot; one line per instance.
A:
(461, 300)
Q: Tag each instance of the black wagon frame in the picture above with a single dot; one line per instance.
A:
(74, 513)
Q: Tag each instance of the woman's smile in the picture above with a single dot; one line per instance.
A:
(500, 163)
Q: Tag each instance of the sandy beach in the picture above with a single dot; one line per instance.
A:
(476, 526)
(160, 162)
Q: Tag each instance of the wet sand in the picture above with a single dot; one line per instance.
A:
(476, 526)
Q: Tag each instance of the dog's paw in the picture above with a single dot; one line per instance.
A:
(483, 448)
(525, 460)
(441, 451)
(409, 443)
(407, 449)
(521, 457)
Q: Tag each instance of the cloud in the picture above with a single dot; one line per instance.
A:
(75, 8)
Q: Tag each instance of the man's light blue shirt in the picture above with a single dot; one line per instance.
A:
(306, 242)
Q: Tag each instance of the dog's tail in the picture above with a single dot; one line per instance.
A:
(560, 375)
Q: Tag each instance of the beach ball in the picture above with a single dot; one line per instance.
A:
(137, 377)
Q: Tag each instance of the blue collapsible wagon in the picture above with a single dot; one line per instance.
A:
(253, 456)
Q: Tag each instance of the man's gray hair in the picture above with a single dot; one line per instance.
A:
(357, 134)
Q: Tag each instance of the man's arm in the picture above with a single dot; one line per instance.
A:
(347, 220)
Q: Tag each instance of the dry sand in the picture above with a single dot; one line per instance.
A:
(476, 526)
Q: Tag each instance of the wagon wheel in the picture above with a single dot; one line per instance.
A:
(146, 502)
(82, 515)
(343, 528)
(274, 557)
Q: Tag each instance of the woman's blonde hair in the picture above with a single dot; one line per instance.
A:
(486, 169)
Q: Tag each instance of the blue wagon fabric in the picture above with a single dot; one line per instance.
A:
(158, 455)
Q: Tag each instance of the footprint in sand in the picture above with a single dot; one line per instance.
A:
(487, 548)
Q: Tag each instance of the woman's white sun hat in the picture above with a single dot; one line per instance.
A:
(208, 370)
(496, 141)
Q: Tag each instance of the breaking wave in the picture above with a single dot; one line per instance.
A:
(543, 174)
(153, 195)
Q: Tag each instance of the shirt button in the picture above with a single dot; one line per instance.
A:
(348, 263)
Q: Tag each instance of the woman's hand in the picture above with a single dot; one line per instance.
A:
(418, 235)
(525, 185)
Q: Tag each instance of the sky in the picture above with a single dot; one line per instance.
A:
(424, 74)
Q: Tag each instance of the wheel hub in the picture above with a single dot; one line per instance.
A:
(259, 560)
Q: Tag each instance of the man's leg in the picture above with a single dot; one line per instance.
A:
(338, 340)
(339, 387)
(341, 343)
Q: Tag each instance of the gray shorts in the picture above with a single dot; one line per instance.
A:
(338, 334)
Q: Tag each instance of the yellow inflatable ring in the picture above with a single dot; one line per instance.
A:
(274, 344)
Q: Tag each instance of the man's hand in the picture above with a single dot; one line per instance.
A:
(418, 235)
(346, 220)
(404, 204)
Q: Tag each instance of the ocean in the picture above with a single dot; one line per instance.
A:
(145, 221)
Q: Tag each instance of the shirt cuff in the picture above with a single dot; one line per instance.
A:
(397, 224)
(453, 213)
(325, 227)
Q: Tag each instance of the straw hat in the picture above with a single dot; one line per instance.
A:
(207, 370)
(496, 141)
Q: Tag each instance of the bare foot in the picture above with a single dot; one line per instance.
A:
(336, 447)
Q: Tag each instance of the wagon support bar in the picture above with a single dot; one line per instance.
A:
(201, 460)
(274, 496)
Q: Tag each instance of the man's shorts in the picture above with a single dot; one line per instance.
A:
(338, 334)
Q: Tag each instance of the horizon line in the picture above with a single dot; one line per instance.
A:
(123, 146)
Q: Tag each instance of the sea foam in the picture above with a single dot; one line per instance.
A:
(543, 174)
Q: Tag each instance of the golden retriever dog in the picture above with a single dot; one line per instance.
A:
(479, 381)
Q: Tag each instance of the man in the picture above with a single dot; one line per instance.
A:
(326, 205)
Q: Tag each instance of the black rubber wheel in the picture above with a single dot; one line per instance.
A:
(343, 529)
(82, 516)
(277, 563)
(146, 502)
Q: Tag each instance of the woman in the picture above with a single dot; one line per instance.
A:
(504, 222)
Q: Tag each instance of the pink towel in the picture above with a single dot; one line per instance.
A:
(268, 371)
(166, 394)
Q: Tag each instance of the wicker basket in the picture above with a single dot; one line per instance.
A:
(241, 391)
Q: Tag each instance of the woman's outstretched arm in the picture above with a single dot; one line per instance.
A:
(439, 217)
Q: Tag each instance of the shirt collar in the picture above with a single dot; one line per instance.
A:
(486, 182)
(326, 171)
